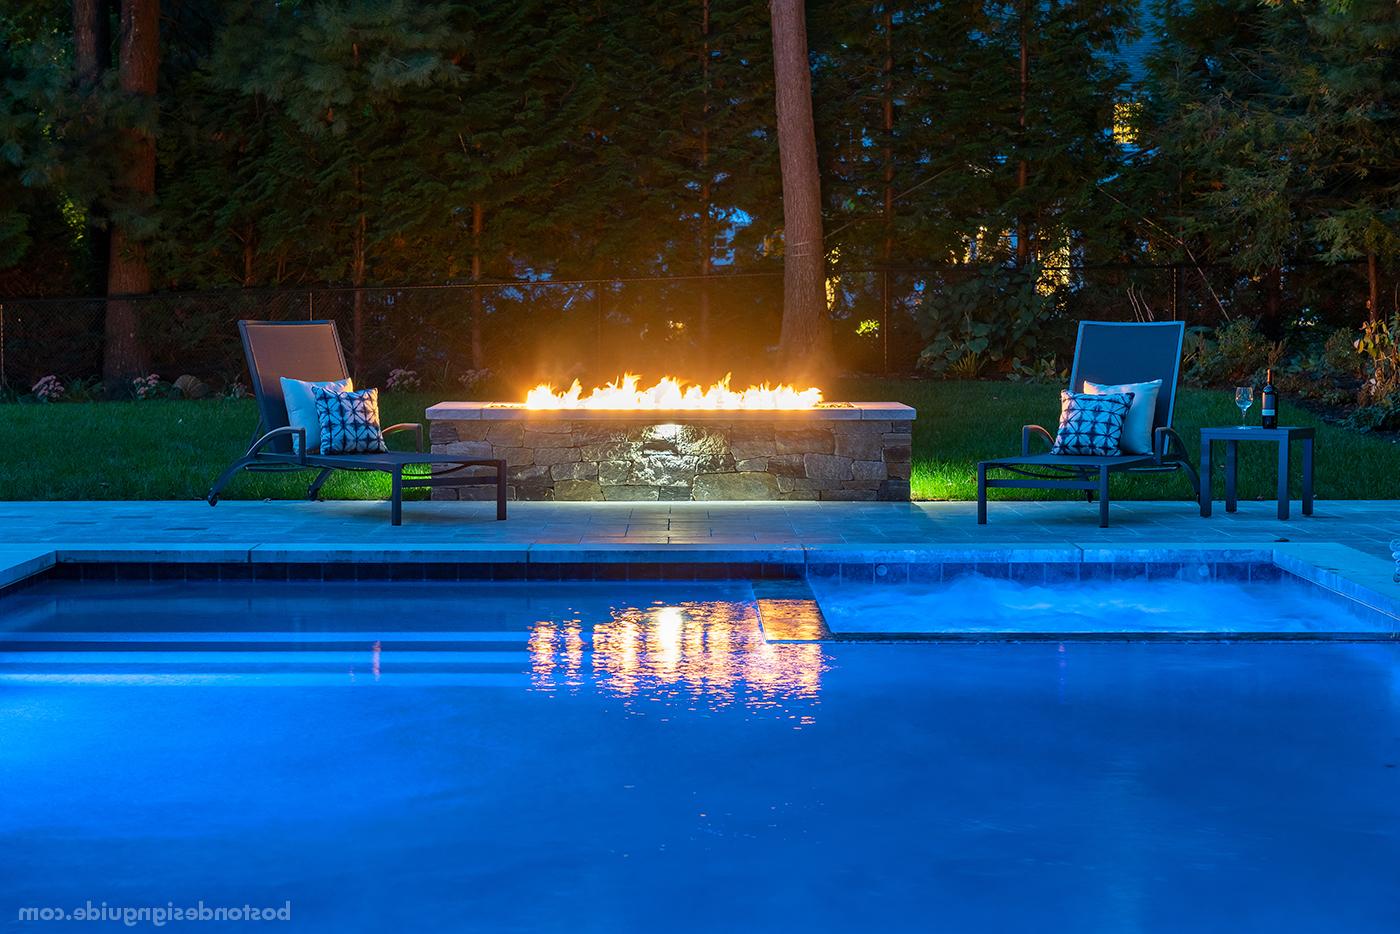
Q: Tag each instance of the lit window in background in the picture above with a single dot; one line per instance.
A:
(1127, 117)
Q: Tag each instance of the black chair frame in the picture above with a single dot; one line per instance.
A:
(311, 350)
(1105, 352)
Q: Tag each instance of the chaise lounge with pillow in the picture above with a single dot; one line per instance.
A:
(310, 417)
(1115, 417)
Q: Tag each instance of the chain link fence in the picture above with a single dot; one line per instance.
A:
(593, 330)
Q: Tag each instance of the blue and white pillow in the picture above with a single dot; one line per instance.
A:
(349, 421)
(1091, 424)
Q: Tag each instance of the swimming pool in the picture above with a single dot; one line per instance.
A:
(610, 756)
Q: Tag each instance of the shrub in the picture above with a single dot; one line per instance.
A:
(1380, 354)
(472, 380)
(84, 390)
(1329, 372)
(1234, 353)
(998, 319)
(1378, 402)
(1304, 379)
(1044, 370)
(1340, 354)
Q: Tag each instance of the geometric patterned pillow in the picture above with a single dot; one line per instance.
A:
(1091, 424)
(349, 421)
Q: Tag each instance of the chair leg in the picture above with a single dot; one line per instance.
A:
(212, 497)
(314, 490)
(1088, 496)
(981, 494)
(1103, 497)
(396, 497)
(500, 491)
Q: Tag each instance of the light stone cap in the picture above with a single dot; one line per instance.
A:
(23, 561)
(829, 411)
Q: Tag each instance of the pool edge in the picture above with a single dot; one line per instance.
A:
(1341, 569)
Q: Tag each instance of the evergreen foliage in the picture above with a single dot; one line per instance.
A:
(381, 142)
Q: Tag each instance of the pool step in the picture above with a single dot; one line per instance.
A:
(265, 679)
(267, 658)
(788, 612)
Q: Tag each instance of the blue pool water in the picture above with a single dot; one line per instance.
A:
(973, 604)
(605, 757)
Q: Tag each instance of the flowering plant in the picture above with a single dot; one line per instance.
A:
(146, 387)
(402, 380)
(473, 378)
(48, 389)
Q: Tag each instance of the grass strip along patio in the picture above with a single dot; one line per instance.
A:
(168, 449)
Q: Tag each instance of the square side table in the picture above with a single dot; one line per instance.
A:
(1283, 437)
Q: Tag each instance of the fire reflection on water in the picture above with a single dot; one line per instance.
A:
(704, 654)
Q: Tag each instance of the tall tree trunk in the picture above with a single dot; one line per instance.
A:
(887, 247)
(706, 237)
(127, 272)
(1023, 233)
(478, 220)
(805, 343)
(92, 57)
(92, 41)
(249, 254)
(1373, 288)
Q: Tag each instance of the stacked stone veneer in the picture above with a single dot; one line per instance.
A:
(864, 454)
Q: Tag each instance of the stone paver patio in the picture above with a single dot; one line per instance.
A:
(235, 525)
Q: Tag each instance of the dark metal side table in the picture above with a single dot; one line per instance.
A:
(1283, 437)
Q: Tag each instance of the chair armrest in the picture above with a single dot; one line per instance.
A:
(1164, 439)
(1027, 431)
(298, 436)
(404, 426)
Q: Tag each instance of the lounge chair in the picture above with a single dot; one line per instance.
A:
(310, 350)
(1112, 353)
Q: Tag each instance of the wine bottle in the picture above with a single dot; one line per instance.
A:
(1270, 402)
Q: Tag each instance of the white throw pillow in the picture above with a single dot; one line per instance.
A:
(301, 406)
(1137, 427)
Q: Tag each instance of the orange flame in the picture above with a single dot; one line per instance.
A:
(672, 393)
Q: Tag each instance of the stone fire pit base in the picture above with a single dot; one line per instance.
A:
(840, 451)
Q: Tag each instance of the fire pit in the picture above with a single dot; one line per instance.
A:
(675, 441)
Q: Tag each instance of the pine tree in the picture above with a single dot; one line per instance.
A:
(56, 166)
(1348, 88)
(343, 75)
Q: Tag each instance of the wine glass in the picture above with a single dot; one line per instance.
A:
(1244, 398)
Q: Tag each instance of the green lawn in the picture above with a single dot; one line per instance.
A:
(174, 449)
(961, 423)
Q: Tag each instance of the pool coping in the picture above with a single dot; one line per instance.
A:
(1364, 578)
